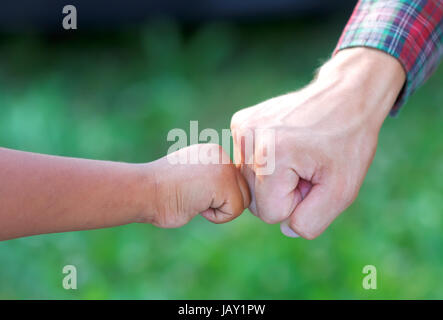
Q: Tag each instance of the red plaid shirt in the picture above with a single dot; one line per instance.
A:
(411, 31)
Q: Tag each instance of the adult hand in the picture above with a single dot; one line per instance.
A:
(325, 139)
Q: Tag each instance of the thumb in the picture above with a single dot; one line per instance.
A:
(305, 187)
(316, 212)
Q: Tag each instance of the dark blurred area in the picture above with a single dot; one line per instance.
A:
(46, 15)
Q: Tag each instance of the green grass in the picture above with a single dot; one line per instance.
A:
(115, 96)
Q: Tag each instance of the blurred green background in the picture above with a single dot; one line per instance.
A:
(116, 95)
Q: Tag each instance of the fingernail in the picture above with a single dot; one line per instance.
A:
(286, 230)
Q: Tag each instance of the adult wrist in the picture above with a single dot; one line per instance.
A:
(374, 77)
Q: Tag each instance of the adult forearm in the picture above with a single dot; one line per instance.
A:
(45, 194)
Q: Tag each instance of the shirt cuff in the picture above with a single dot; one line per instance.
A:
(410, 31)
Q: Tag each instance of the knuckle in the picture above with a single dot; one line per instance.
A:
(349, 199)
(348, 192)
(219, 219)
(241, 121)
(304, 230)
(236, 120)
(271, 217)
(354, 195)
(213, 147)
(217, 155)
(309, 235)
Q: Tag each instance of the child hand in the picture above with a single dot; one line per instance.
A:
(46, 194)
(217, 191)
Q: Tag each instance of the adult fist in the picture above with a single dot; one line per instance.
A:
(325, 139)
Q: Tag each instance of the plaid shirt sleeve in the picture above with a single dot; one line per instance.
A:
(409, 30)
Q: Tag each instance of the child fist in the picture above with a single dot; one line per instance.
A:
(197, 179)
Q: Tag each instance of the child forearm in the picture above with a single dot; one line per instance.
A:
(45, 194)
